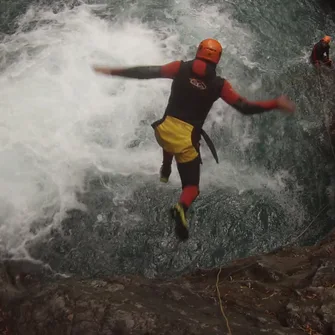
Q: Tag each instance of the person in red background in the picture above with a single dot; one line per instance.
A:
(321, 48)
(195, 87)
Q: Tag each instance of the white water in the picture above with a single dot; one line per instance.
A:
(60, 121)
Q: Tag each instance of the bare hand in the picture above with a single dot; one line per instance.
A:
(100, 69)
(285, 104)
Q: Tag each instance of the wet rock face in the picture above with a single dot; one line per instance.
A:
(330, 2)
(291, 291)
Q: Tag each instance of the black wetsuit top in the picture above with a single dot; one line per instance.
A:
(318, 52)
(194, 90)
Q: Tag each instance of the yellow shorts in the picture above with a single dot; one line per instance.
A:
(175, 137)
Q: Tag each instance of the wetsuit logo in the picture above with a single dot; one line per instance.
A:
(198, 83)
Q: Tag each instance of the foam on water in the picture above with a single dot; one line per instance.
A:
(61, 122)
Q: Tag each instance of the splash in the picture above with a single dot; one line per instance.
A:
(61, 123)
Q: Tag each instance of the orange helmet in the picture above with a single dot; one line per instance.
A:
(326, 39)
(210, 50)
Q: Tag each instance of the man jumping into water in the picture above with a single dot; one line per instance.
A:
(195, 87)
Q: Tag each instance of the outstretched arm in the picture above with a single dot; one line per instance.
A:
(314, 58)
(169, 70)
(253, 107)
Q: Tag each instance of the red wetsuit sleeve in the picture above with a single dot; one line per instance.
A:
(243, 105)
(314, 59)
(170, 70)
